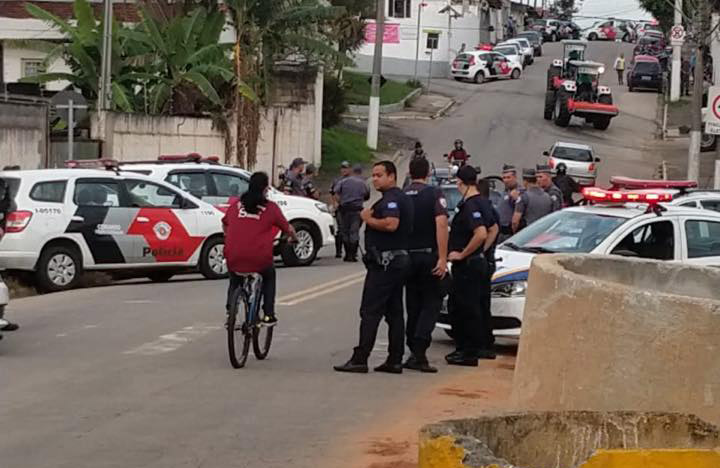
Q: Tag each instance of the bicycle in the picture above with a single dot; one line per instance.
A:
(247, 298)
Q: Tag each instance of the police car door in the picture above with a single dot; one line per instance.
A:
(103, 217)
(701, 244)
(224, 186)
(656, 239)
(165, 225)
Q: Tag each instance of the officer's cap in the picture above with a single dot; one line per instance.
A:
(357, 169)
(467, 174)
(529, 173)
(345, 164)
(509, 168)
(310, 169)
(544, 169)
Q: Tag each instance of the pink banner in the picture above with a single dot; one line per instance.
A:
(391, 33)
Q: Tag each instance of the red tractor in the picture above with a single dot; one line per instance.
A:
(579, 94)
(572, 50)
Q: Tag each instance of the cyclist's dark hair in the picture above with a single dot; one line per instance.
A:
(419, 168)
(389, 166)
(255, 196)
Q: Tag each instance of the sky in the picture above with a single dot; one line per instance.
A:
(625, 9)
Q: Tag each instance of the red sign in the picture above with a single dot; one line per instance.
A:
(391, 33)
(716, 107)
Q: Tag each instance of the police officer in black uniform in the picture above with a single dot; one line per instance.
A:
(389, 224)
(468, 236)
(428, 264)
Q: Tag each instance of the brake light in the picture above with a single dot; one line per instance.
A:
(17, 221)
(472, 60)
(600, 195)
(551, 162)
(591, 167)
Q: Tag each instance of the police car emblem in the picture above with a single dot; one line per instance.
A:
(162, 230)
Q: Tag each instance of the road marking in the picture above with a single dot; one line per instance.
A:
(320, 290)
(174, 341)
(141, 301)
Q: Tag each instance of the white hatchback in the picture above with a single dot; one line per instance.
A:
(527, 49)
(482, 65)
(579, 159)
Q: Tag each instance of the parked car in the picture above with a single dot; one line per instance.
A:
(580, 160)
(549, 28)
(570, 30)
(535, 39)
(216, 183)
(512, 52)
(481, 65)
(645, 73)
(526, 49)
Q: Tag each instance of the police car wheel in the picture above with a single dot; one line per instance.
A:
(59, 268)
(212, 259)
(303, 252)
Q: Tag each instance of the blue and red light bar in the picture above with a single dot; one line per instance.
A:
(91, 164)
(636, 184)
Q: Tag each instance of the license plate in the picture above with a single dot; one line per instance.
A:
(647, 78)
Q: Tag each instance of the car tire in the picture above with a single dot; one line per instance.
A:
(212, 263)
(592, 37)
(708, 142)
(305, 251)
(549, 105)
(59, 268)
(553, 37)
(561, 112)
(160, 276)
(479, 77)
(457, 78)
(515, 74)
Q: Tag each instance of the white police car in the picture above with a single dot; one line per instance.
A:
(630, 223)
(64, 221)
(216, 183)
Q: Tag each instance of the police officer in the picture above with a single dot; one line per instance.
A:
(532, 204)
(345, 172)
(506, 207)
(308, 184)
(428, 264)
(6, 205)
(567, 185)
(389, 224)
(293, 184)
(468, 238)
(545, 182)
(352, 192)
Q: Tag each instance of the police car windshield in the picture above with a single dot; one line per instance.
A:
(565, 231)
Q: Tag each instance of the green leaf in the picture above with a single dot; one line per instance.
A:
(88, 65)
(49, 77)
(212, 28)
(85, 17)
(51, 19)
(207, 53)
(203, 85)
(153, 31)
(159, 96)
(120, 98)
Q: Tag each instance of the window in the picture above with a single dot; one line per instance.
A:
(148, 195)
(13, 185)
(703, 239)
(691, 204)
(648, 68)
(49, 191)
(433, 39)
(229, 185)
(97, 193)
(711, 204)
(195, 183)
(572, 154)
(654, 240)
(32, 67)
(400, 9)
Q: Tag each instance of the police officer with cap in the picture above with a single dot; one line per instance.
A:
(506, 207)
(545, 182)
(532, 204)
(293, 178)
(352, 193)
(307, 182)
(345, 172)
(468, 236)
(389, 224)
(428, 246)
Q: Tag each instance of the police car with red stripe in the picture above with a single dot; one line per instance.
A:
(215, 183)
(643, 222)
(65, 221)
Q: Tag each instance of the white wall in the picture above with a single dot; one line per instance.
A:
(23, 135)
(12, 66)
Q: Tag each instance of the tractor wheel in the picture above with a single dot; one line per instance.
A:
(605, 99)
(549, 105)
(552, 73)
(601, 122)
(562, 113)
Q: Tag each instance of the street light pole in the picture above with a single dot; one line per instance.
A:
(417, 41)
(676, 58)
(105, 68)
(374, 112)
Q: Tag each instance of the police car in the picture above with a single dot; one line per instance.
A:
(216, 183)
(65, 221)
(685, 192)
(634, 223)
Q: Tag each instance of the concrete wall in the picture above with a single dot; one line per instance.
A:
(610, 333)
(23, 135)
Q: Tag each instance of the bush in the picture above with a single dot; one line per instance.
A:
(334, 102)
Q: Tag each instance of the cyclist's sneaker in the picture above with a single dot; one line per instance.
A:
(269, 320)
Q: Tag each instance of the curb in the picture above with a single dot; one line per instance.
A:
(444, 110)
(387, 108)
(417, 116)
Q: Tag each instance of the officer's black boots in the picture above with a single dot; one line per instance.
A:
(462, 360)
(351, 250)
(338, 246)
(419, 364)
(389, 368)
(352, 367)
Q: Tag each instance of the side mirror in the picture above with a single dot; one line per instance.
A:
(546, 153)
(597, 159)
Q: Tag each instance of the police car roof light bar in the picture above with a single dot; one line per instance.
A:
(628, 183)
(595, 194)
(188, 158)
(110, 164)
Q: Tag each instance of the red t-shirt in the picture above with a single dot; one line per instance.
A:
(249, 237)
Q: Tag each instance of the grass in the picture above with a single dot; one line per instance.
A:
(339, 144)
(358, 90)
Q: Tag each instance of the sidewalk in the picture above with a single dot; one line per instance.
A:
(424, 107)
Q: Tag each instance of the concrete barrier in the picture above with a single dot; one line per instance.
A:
(387, 108)
(578, 439)
(611, 333)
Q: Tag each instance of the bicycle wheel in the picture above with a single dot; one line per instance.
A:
(238, 334)
(261, 335)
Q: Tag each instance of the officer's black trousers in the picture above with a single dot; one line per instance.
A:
(423, 299)
(268, 289)
(338, 234)
(350, 225)
(469, 306)
(382, 298)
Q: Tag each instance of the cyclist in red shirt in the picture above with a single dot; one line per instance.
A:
(251, 225)
(458, 154)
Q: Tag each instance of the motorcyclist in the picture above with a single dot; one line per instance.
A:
(458, 155)
(567, 185)
(419, 152)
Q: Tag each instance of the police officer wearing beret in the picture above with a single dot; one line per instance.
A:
(424, 291)
(471, 325)
(532, 204)
(545, 182)
(388, 226)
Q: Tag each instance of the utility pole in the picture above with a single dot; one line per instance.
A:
(701, 21)
(104, 97)
(421, 5)
(374, 113)
(676, 57)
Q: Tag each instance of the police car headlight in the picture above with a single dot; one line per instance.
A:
(322, 207)
(509, 289)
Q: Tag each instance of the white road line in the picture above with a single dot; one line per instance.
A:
(322, 290)
(174, 341)
(319, 287)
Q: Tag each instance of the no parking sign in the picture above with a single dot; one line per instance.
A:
(712, 117)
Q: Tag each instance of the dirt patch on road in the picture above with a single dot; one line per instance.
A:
(458, 392)
(387, 447)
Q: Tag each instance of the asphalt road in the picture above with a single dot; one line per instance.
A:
(136, 375)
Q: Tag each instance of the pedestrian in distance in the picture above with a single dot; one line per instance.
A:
(545, 182)
(567, 185)
(418, 152)
(620, 68)
(470, 317)
(506, 207)
(308, 182)
(428, 247)
(293, 184)
(532, 204)
(352, 192)
(345, 171)
(389, 224)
